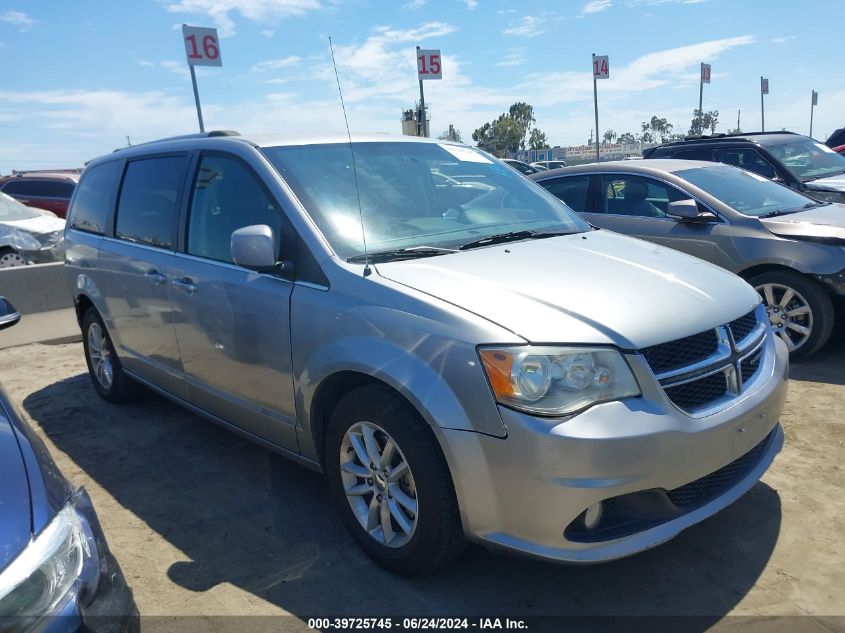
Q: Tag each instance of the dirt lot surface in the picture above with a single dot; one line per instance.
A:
(204, 522)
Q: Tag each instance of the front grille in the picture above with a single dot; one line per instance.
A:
(702, 490)
(697, 394)
(742, 326)
(680, 353)
(750, 365)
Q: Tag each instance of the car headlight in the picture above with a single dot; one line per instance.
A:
(21, 240)
(37, 580)
(557, 380)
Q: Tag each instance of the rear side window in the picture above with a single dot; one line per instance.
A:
(572, 190)
(24, 188)
(696, 154)
(747, 159)
(94, 201)
(147, 207)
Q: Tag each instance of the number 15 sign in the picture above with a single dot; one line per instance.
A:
(429, 65)
(201, 46)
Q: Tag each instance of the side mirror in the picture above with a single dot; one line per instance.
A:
(9, 315)
(254, 247)
(683, 210)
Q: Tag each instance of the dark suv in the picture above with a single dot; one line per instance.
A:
(796, 161)
(50, 191)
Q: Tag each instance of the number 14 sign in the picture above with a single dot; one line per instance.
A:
(201, 46)
(601, 67)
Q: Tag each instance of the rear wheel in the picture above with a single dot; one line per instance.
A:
(391, 482)
(104, 366)
(10, 258)
(800, 311)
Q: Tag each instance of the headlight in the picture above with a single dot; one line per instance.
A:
(36, 581)
(557, 380)
(21, 240)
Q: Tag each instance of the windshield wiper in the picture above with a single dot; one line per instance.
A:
(400, 253)
(809, 205)
(512, 236)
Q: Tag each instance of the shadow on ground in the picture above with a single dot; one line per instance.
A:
(249, 517)
(828, 364)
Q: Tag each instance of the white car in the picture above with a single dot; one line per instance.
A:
(28, 235)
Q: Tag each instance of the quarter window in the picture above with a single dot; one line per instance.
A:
(147, 208)
(227, 197)
(638, 195)
(94, 201)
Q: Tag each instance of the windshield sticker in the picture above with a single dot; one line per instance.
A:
(466, 154)
(825, 148)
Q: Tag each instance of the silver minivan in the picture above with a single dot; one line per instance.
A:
(465, 362)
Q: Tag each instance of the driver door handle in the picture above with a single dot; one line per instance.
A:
(155, 277)
(185, 283)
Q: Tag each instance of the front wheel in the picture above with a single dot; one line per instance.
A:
(10, 258)
(800, 311)
(391, 482)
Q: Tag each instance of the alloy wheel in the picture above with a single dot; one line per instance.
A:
(789, 313)
(12, 259)
(379, 485)
(100, 356)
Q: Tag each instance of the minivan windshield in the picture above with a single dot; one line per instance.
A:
(746, 192)
(416, 195)
(808, 160)
(11, 210)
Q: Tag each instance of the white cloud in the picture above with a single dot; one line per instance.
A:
(268, 32)
(514, 57)
(527, 26)
(18, 19)
(784, 39)
(471, 4)
(413, 5)
(180, 69)
(144, 62)
(596, 6)
(276, 64)
(221, 11)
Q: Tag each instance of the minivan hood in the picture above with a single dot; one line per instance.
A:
(831, 183)
(15, 506)
(41, 224)
(827, 221)
(596, 288)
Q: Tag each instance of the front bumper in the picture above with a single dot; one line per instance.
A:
(835, 282)
(521, 493)
(99, 601)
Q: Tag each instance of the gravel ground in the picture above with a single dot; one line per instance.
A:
(204, 522)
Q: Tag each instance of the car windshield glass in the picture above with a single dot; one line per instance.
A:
(746, 192)
(415, 194)
(808, 160)
(12, 210)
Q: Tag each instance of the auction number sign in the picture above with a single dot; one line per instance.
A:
(429, 64)
(201, 46)
(764, 85)
(601, 67)
(705, 73)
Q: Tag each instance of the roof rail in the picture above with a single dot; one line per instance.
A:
(185, 137)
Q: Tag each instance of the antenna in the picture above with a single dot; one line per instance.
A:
(367, 270)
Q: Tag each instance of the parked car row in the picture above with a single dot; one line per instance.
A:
(448, 328)
(28, 235)
(43, 190)
(787, 245)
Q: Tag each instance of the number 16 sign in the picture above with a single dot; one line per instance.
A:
(201, 46)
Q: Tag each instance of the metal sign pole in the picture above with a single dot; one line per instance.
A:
(811, 115)
(197, 98)
(700, 91)
(762, 108)
(596, 104)
(423, 123)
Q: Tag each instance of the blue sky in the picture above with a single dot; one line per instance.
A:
(78, 77)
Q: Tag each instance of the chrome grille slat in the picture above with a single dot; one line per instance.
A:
(705, 370)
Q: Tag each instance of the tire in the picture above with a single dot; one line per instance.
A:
(119, 387)
(436, 536)
(10, 258)
(811, 306)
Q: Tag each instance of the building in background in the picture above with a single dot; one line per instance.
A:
(576, 154)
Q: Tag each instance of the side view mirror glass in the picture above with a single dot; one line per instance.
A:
(683, 210)
(9, 315)
(254, 247)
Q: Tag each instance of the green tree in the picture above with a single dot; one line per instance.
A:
(608, 137)
(537, 140)
(627, 138)
(702, 121)
(656, 129)
(510, 132)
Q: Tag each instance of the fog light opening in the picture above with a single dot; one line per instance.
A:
(593, 514)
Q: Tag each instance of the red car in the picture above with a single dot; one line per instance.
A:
(840, 149)
(43, 190)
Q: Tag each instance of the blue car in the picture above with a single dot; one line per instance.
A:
(56, 570)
